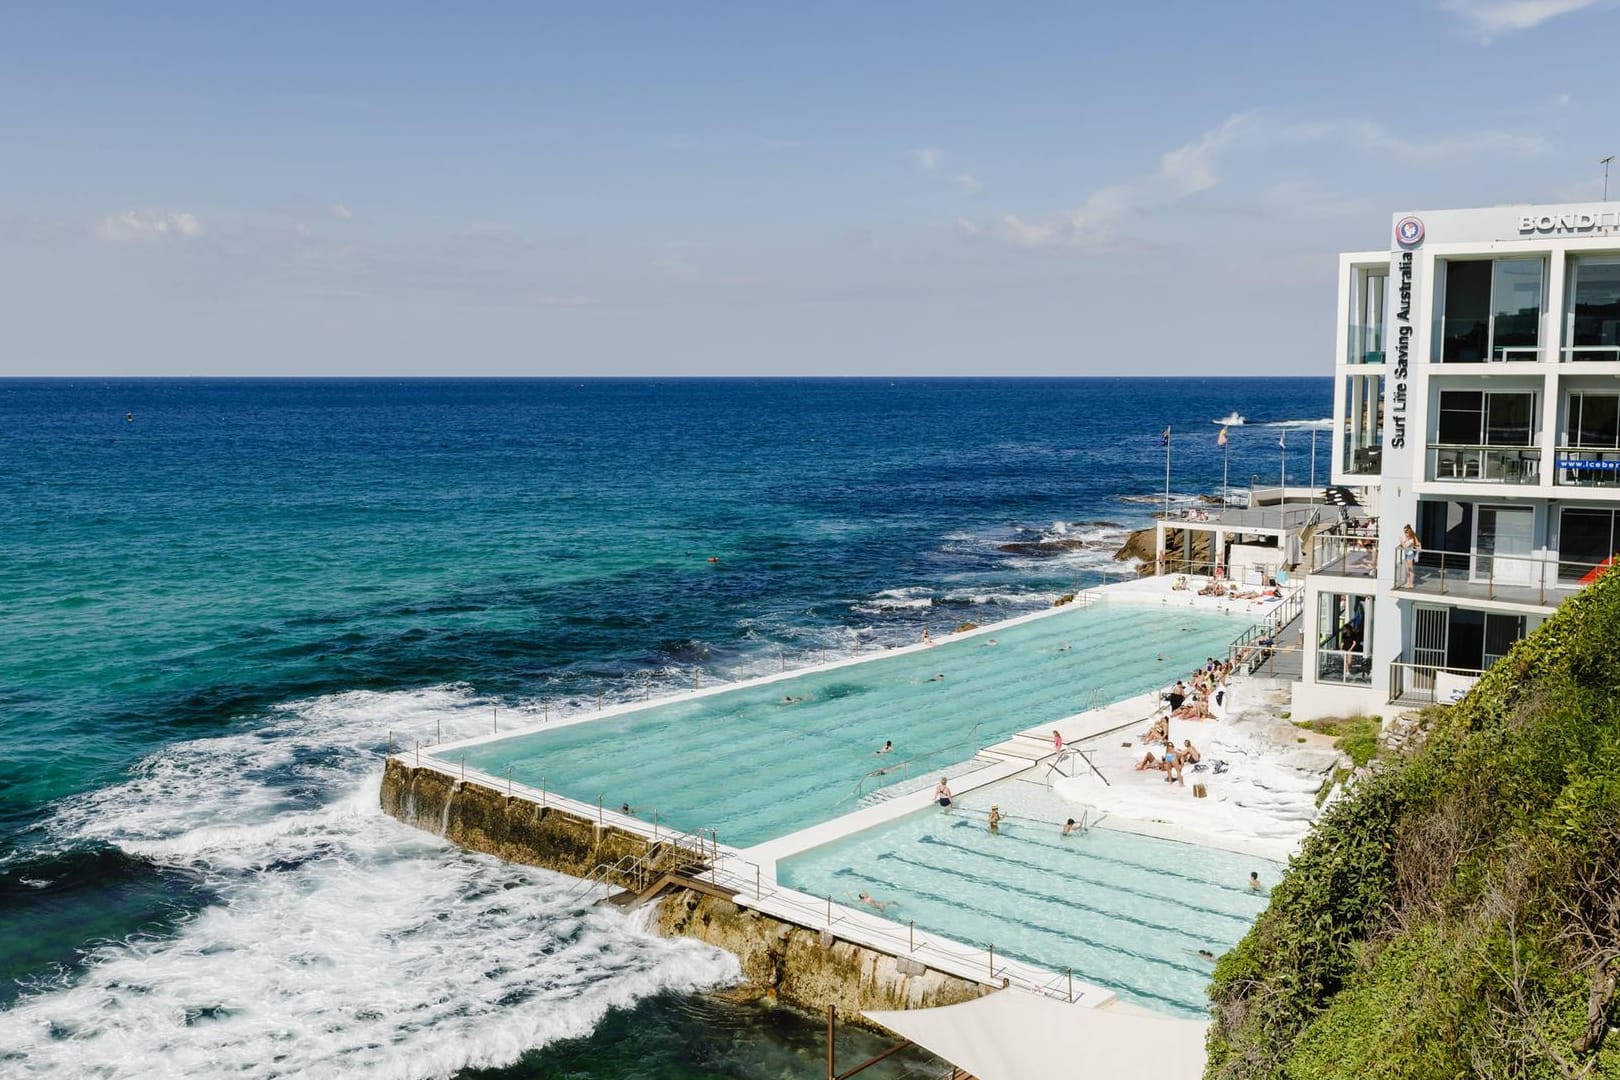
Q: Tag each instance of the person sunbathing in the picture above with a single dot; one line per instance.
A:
(1159, 732)
(1148, 762)
(1180, 584)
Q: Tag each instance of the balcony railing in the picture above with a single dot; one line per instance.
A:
(1486, 464)
(1347, 667)
(1543, 580)
(1348, 549)
(1575, 354)
(1575, 466)
(1426, 684)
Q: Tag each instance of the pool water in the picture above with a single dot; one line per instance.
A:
(764, 760)
(1124, 911)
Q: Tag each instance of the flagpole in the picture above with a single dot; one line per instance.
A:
(1225, 461)
(1167, 470)
(1313, 464)
(1282, 501)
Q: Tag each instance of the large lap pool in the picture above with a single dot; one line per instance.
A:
(1124, 911)
(763, 760)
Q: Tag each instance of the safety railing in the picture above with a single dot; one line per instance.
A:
(1346, 549)
(1258, 644)
(1349, 667)
(1485, 464)
(1540, 579)
(1582, 466)
(1576, 354)
(1422, 684)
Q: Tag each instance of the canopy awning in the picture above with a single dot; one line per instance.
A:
(1010, 1035)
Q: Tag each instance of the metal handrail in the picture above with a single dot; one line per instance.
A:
(1440, 571)
(1422, 679)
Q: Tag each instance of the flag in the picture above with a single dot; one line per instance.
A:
(1164, 439)
(1282, 440)
(1220, 440)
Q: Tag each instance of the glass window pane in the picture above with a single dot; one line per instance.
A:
(1596, 308)
(1594, 420)
(1509, 419)
(1467, 311)
(1585, 538)
(1461, 416)
(1516, 309)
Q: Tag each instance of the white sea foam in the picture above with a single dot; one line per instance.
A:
(343, 942)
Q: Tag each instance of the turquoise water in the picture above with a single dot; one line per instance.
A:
(764, 760)
(1123, 911)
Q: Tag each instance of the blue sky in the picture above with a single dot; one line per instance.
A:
(914, 189)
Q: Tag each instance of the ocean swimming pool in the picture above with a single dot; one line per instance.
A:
(762, 760)
(1124, 911)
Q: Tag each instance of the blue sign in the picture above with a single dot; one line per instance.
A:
(1599, 466)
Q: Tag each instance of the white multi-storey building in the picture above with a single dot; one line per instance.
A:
(1477, 397)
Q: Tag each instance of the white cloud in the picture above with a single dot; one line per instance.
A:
(1492, 18)
(150, 224)
(927, 158)
(1446, 148)
(969, 228)
(1191, 168)
(339, 211)
(968, 183)
(1184, 171)
(304, 231)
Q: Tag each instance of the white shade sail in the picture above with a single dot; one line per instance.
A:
(1017, 1036)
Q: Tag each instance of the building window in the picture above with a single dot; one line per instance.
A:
(1344, 636)
(1594, 420)
(1594, 309)
(1491, 310)
(1586, 539)
(1480, 418)
(1367, 327)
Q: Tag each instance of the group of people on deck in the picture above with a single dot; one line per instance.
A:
(1199, 695)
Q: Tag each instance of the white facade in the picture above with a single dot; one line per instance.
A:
(1477, 388)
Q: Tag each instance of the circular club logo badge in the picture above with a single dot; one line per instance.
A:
(1409, 231)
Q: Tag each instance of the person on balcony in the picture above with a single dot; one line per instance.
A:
(1407, 554)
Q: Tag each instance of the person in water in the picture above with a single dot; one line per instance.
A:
(875, 905)
(942, 793)
(888, 747)
(1069, 827)
(1254, 882)
(995, 819)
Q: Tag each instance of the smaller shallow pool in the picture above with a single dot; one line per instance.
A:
(1126, 912)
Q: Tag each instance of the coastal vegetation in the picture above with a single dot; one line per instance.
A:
(1457, 913)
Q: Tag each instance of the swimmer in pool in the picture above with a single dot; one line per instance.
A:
(875, 905)
(888, 747)
(1069, 827)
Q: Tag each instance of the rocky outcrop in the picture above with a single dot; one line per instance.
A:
(810, 968)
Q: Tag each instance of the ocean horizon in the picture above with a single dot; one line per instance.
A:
(228, 596)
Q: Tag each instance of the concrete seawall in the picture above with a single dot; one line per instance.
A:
(783, 961)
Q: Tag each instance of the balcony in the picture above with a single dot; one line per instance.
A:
(1349, 549)
(1428, 684)
(1582, 354)
(1484, 464)
(1575, 466)
(1364, 461)
(1535, 580)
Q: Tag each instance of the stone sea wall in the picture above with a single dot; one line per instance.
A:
(483, 819)
(781, 961)
(810, 968)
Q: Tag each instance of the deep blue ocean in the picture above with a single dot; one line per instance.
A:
(220, 599)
